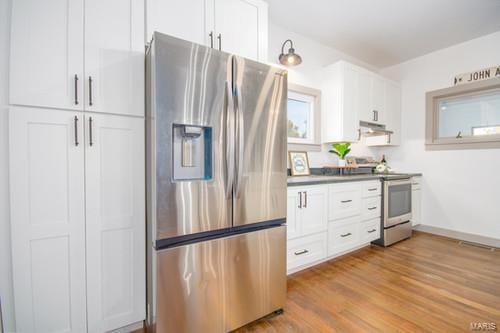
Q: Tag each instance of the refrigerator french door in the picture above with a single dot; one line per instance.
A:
(216, 147)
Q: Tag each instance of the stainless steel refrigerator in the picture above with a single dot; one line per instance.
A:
(216, 161)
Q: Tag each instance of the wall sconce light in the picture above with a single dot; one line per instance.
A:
(291, 58)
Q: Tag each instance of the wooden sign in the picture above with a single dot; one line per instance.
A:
(480, 75)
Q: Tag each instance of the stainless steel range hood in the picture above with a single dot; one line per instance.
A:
(368, 129)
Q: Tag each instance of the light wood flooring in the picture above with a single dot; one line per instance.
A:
(424, 284)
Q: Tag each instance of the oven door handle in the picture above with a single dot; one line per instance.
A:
(398, 182)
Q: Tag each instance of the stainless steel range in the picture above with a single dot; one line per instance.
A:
(397, 210)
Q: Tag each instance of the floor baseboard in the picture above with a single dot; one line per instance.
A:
(488, 241)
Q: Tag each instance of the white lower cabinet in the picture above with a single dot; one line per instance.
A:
(416, 205)
(336, 218)
(77, 220)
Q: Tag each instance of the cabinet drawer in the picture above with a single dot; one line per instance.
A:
(343, 238)
(306, 250)
(372, 189)
(371, 208)
(344, 202)
(370, 230)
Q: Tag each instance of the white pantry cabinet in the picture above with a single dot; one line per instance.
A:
(114, 56)
(78, 55)
(416, 199)
(115, 206)
(48, 220)
(234, 26)
(46, 54)
(77, 219)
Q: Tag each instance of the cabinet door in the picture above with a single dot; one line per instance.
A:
(115, 225)
(314, 212)
(365, 96)
(242, 27)
(191, 20)
(293, 213)
(46, 54)
(351, 104)
(415, 207)
(378, 99)
(114, 56)
(47, 219)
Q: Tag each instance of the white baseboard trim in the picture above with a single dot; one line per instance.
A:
(129, 328)
(489, 241)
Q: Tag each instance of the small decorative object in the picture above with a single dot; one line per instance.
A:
(299, 163)
(479, 75)
(291, 58)
(341, 150)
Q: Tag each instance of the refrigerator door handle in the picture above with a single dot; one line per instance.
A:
(229, 140)
(239, 141)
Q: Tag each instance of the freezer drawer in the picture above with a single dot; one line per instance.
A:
(221, 284)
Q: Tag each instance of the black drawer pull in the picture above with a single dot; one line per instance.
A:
(346, 201)
(298, 253)
(345, 235)
(372, 208)
(373, 230)
(372, 189)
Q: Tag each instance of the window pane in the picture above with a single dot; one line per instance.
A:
(470, 115)
(299, 119)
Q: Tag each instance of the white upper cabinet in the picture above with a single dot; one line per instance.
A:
(48, 220)
(352, 94)
(234, 26)
(114, 56)
(46, 54)
(241, 28)
(68, 55)
(185, 19)
(115, 232)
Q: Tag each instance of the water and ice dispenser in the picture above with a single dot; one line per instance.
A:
(192, 152)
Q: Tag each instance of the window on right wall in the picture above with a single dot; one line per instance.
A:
(464, 117)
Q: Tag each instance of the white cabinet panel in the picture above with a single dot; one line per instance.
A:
(46, 53)
(186, 19)
(47, 219)
(241, 28)
(416, 207)
(364, 95)
(370, 230)
(343, 238)
(114, 56)
(306, 250)
(378, 99)
(344, 202)
(293, 213)
(115, 221)
(315, 209)
(371, 208)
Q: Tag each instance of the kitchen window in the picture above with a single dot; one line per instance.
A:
(303, 118)
(464, 117)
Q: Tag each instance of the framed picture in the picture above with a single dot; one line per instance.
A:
(299, 163)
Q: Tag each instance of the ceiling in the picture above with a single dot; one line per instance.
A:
(387, 32)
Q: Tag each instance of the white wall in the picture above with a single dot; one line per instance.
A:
(5, 256)
(315, 56)
(461, 187)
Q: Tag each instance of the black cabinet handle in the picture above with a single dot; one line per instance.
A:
(76, 89)
(211, 34)
(305, 199)
(298, 253)
(219, 37)
(300, 199)
(345, 235)
(76, 131)
(90, 91)
(373, 230)
(346, 201)
(372, 189)
(372, 208)
(91, 139)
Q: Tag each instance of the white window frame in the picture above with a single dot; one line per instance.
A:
(312, 96)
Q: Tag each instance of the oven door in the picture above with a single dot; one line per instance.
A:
(397, 202)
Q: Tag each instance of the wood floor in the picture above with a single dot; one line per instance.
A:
(425, 284)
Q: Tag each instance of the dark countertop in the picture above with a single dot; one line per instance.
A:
(330, 179)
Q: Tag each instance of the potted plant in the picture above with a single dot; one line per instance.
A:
(341, 150)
